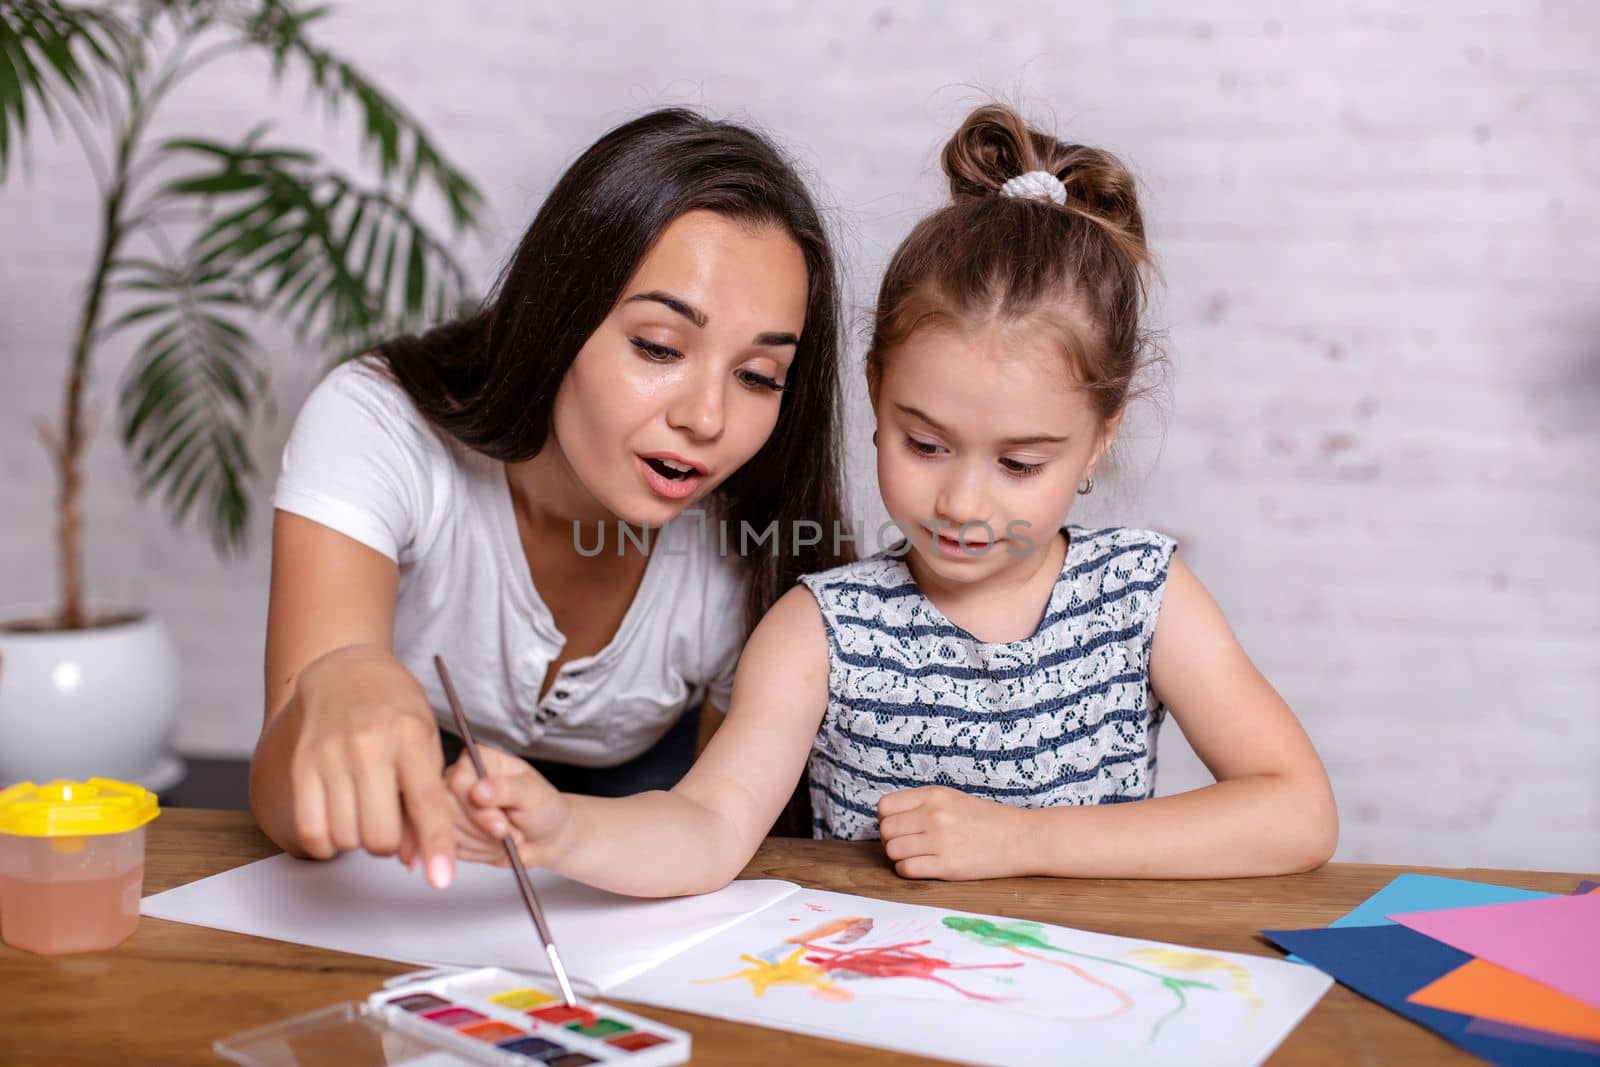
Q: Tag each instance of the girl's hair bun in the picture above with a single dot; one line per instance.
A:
(995, 145)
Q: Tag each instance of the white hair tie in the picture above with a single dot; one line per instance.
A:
(1036, 185)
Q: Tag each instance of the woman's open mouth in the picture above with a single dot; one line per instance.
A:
(671, 476)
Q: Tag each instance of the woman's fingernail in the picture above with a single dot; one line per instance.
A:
(439, 872)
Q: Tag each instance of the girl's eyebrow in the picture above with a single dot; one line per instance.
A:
(699, 318)
(1026, 439)
(918, 413)
(1035, 439)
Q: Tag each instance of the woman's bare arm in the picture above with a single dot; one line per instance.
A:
(349, 752)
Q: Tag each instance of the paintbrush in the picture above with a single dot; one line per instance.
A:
(530, 896)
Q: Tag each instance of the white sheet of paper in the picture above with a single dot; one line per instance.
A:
(375, 907)
(1010, 993)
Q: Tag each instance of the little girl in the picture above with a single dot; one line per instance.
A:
(984, 697)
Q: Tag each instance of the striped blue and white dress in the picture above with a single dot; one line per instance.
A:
(1066, 716)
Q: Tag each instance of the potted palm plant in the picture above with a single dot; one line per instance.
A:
(198, 239)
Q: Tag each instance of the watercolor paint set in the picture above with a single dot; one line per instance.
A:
(441, 1018)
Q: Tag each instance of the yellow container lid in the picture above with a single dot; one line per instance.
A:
(74, 809)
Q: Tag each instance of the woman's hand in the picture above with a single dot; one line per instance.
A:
(937, 832)
(366, 769)
(513, 800)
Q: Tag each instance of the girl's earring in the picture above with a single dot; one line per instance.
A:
(1086, 486)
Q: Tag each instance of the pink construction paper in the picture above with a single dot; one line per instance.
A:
(1555, 940)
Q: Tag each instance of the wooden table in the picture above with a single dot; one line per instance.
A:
(164, 995)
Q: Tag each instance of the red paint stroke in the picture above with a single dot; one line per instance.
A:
(816, 907)
(899, 961)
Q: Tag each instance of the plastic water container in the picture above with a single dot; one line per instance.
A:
(72, 863)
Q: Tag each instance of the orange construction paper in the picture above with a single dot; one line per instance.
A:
(1483, 989)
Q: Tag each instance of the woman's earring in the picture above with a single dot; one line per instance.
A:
(1086, 486)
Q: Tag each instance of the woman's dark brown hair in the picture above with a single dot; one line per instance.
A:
(985, 258)
(490, 380)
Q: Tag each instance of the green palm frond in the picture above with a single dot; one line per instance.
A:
(191, 393)
(48, 55)
(272, 232)
(332, 258)
(400, 144)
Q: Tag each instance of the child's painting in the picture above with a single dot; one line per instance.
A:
(983, 989)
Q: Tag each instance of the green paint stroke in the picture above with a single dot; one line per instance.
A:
(1020, 936)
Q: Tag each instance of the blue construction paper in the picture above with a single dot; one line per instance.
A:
(1427, 892)
(1388, 963)
(1493, 1028)
(1586, 887)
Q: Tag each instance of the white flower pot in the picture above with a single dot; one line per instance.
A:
(98, 702)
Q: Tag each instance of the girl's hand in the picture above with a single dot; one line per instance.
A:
(473, 844)
(937, 832)
(515, 801)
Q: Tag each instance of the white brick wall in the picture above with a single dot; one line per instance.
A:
(1379, 230)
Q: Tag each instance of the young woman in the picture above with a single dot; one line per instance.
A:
(664, 339)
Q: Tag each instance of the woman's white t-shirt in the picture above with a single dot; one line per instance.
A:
(362, 460)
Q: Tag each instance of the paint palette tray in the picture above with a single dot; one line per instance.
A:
(444, 1018)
